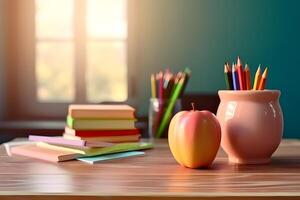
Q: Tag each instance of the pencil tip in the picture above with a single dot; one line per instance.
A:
(239, 63)
(225, 68)
(246, 67)
(258, 69)
(233, 67)
(187, 71)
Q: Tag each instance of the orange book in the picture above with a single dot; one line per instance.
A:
(122, 138)
(101, 111)
(33, 151)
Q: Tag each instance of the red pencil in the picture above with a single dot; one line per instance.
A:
(247, 77)
(160, 90)
(241, 74)
(161, 86)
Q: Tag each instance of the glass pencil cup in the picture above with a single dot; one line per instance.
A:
(157, 108)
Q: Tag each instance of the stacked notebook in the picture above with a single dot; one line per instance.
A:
(94, 133)
(105, 123)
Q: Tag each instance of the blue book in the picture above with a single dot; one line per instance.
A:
(96, 159)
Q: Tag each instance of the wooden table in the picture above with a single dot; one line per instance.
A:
(154, 176)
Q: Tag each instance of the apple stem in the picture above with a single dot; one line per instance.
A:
(193, 106)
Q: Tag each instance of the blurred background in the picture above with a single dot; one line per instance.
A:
(57, 52)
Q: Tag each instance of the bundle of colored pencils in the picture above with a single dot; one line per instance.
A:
(237, 78)
(167, 88)
(163, 84)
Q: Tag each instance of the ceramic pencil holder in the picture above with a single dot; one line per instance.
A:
(251, 123)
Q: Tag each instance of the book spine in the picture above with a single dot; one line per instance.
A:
(95, 133)
(56, 140)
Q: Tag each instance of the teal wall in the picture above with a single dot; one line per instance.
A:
(203, 34)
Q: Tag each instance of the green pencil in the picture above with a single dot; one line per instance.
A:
(187, 71)
(228, 76)
(168, 112)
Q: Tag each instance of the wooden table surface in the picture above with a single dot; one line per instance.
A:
(156, 175)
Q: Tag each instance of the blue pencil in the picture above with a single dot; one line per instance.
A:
(235, 78)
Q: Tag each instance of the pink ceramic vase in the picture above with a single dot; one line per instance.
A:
(251, 123)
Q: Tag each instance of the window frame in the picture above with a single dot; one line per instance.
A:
(21, 85)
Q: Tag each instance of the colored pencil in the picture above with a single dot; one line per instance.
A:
(228, 77)
(247, 77)
(160, 97)
(153, 86)
(179, 74)
(167, 88)
(240, 74)
(187, 73)
(176, 80)
(168, 85)
(235, 78)
(161, 87)
(168, 71)
(262, 83)
(157, 84)
(167, 115)
(257, 79)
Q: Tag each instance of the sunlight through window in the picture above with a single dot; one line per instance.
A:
(104, 35)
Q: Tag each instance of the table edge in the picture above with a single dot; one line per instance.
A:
(161, 194)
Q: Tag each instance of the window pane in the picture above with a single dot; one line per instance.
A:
(54, 71)
(106, 71)
(54, 19)
(106, 19)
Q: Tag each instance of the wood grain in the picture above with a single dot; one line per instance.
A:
(156, 175)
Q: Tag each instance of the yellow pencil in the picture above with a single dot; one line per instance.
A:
(153, 86)
(257, 79)
(262, 83)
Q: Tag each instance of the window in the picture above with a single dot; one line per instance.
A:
(65, 51)
(95, 37)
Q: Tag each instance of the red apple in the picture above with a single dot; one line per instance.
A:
(194, 138)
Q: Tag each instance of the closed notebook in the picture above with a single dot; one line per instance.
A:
(112, 139)
(53, 155)
(97, 159)
(121, 147)
(63, 141)
(100, 124)
(102, 111)
(9, 145)
(96, 133)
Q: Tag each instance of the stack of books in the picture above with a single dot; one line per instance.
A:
(101, 123)
(94, 133)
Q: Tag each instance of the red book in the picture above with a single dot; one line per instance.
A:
(110, 139)
(99, 133)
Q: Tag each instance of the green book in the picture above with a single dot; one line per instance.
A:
(100, 124)
(101, 158)
(120, 147)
